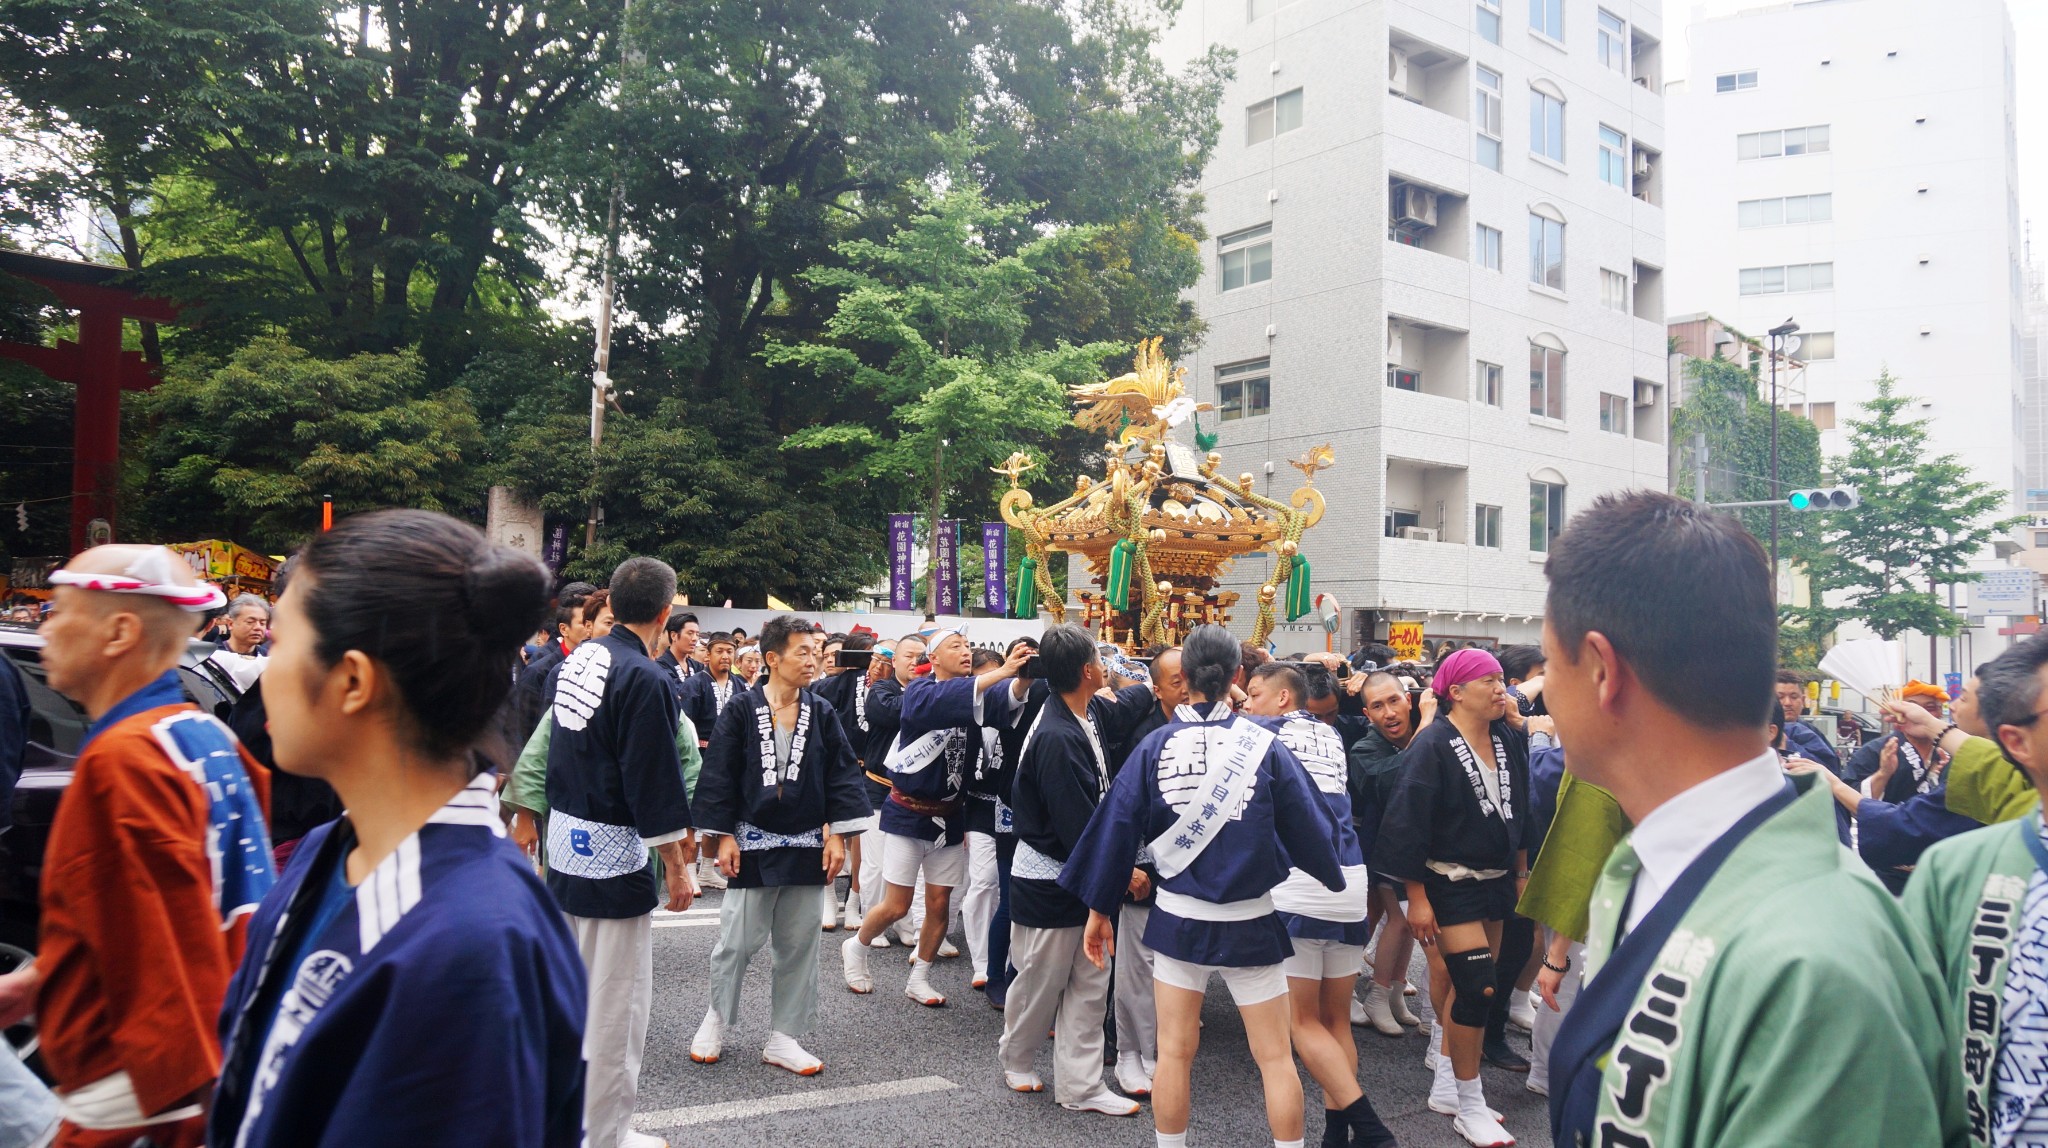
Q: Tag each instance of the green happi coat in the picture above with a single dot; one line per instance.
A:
(1967, 896)
(1792, 1006)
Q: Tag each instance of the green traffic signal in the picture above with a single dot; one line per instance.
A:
(1799, 500)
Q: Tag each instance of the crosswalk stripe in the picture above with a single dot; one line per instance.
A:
(789, 1102)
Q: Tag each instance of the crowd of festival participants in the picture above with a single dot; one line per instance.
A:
(1625, 840)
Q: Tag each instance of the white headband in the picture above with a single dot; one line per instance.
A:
(152, 573)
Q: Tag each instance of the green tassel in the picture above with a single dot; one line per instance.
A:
(1205, 442)
(1118, 587)
(1300, 600)
(1025, 605)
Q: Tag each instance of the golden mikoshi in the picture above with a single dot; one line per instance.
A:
(1161, 527)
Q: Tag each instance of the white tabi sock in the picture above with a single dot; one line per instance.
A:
(1287, 1144)
(1443, 1084)
(1171, 1139)
(1472, 1100)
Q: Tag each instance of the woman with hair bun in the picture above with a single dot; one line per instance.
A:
(408, 981)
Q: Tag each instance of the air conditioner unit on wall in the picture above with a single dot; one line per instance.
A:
(1397, 71)
(1418, 534)
(1646, 393)
(1642, 164)
(1415, 206)
(1394, 354)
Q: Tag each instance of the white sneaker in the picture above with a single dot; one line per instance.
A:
(783, 1051)
(855, 960)
(633, 1139)
(709, 1043)
(1482, 1130)
(1380, 1013)
(829, 919)
(948, 949)
(708, 876)
(1023, 1082)
(1522, 1011)
(1131, 1076)
(1397, 1006)
(920, 987)
(1104, 1101)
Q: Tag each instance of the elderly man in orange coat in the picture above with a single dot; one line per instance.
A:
(158, 853)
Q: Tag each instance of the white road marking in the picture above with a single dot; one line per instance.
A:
(789, 1102)
(678, 922)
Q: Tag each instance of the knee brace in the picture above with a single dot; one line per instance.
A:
(1472, 985)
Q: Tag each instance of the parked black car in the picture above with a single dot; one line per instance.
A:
(56, 726)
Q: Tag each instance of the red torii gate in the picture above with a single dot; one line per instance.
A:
(96, 365)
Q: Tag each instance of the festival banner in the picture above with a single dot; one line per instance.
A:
(995, 568)
(556, 552)
(901, 537)
(948, 572)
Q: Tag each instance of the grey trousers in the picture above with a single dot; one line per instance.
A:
(1547, 1022)
(619, 955)
(1057, 988)
(1137, 1019)
(750, 918)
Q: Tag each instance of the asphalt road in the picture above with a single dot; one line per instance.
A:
(899, 1074)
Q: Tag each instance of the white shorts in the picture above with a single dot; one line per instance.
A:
(944, 865)
(1248, 986)
(1315, 960)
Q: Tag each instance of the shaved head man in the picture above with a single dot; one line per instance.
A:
(157, 855)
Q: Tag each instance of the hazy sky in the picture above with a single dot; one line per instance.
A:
(2030, 26)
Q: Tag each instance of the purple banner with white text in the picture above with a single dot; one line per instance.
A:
(948, 572)
(902, 536)
(995, 568)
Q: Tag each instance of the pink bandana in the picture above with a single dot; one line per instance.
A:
(1461, 667)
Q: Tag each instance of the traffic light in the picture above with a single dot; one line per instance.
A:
(1824, 498)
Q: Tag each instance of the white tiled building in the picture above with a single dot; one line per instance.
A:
(1851, 165)
(1386, 206)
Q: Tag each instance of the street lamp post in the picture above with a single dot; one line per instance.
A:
(1777, 335)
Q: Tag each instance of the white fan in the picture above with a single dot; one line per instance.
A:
(1870, 666)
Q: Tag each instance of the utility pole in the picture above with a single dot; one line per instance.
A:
(931, 608)
(1777, 335)
(1699, 462)
(1933, 669)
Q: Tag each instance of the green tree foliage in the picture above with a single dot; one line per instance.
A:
(1722, 401)
(378, 146)
(1923, 520)
(253, 443)
(927, 345)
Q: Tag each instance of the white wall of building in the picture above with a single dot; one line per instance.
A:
(1924, 238)
(1321, 320)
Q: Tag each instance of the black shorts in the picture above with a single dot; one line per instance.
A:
(1463, 902)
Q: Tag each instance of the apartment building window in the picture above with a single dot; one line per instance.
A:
(1399, 520)
(1546, 251)
(1787, 279)
(1614, 290)
(1486, 115)
(1269, 118)
(1547, 17)
(1245, 257)
(1546, 124)
(1253, 9)
(1486, 246)
(1822, 415)
(1492, 380)
(1488, 21)
(1486, 527)
(1613, 157)
(1546, 514)
(1404, 378)
(1734, 81)
(1811, 140)
(1818, 208)
(1613, 46)
(1614, 413)
(1546, 380)
(1816, 346)
(1244, 390)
